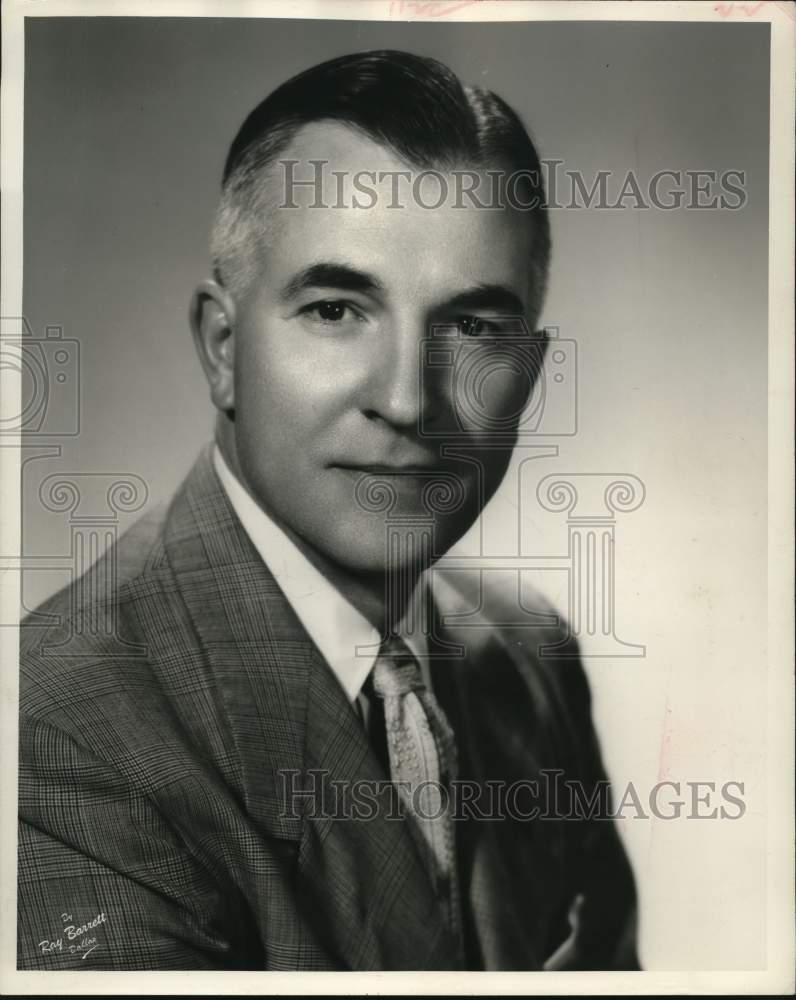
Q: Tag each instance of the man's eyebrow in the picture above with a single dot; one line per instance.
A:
(493, 297)
(328, 275)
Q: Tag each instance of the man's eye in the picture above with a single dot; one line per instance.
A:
(329, 311)
(472, 326)
(494, 326)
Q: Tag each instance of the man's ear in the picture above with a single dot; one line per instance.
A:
(212, 316)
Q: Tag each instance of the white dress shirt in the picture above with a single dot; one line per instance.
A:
(332, 622)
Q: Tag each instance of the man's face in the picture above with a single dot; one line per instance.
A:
(340, 412)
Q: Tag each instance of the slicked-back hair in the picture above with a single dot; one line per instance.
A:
(413, 105)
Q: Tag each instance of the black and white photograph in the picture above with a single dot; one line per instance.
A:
(397, 495)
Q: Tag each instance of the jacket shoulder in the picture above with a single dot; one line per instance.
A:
(489, 605)
(137, 552)
(90, 629)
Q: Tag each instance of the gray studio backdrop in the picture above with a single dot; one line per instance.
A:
(127, 122)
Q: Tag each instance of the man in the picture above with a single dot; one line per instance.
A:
(283, 755)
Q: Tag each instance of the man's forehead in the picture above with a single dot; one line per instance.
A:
(320, 207)
(332, 163)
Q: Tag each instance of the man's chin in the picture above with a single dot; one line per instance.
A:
(400, 546)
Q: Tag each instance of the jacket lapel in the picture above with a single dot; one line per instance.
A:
(362, 868)
(359, 882)
(511, 869)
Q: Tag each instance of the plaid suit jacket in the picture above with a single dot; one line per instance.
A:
(165, 721)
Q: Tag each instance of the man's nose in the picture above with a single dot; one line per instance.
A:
(396, 392)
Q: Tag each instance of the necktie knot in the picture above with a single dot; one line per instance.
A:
(396, 671)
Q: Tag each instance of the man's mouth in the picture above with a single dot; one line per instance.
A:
(416, 486)
(390, 469)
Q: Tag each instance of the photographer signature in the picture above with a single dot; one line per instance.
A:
(79, 940)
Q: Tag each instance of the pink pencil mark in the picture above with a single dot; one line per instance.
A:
(427, 8)
(666, 745)
(727, 9)
(749, 9)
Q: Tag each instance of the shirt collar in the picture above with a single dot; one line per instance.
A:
(332, 622)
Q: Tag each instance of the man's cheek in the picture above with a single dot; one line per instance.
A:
(489, 398)
(506, 392)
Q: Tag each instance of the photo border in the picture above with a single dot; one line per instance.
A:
(778, 976)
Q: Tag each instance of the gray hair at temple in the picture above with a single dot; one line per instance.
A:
(413, 105)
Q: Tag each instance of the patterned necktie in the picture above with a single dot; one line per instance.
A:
(422, 753)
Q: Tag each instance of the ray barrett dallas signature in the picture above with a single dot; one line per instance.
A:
(75, 939)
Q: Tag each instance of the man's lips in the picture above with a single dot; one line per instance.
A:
(384, 469)
(436, 490)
